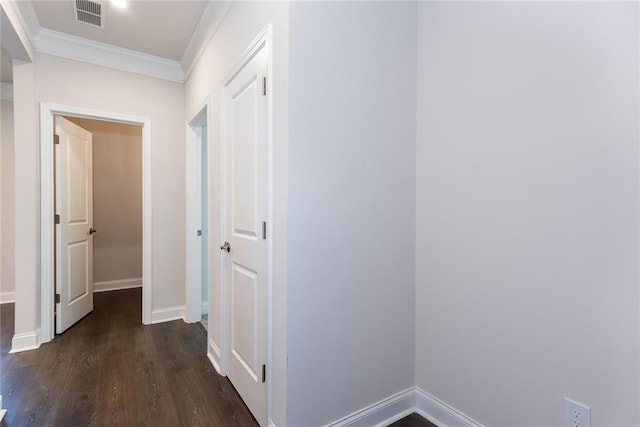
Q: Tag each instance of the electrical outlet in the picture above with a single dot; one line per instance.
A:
(576, 414)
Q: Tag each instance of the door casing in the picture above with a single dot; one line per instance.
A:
(47, 111)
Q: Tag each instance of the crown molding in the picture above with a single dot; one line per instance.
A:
(6, 91)
(34, 38)
(106, 55)
(20, 42)
(29, 17)
(212, 17)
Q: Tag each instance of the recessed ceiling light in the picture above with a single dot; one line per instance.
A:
(121, 4)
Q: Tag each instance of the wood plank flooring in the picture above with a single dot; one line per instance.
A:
(110, 370)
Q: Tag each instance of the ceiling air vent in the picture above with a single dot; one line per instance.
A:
(89, 12)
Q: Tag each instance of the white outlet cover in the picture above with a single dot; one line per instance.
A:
(576, 414)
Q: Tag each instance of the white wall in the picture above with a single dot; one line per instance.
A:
(242, 24)
(62, 81)
(527, 209)
(351, 206)
(7, 284)
(26, 203)
(117, 199)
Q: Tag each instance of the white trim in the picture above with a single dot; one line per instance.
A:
(399, 405)
(115, 285)
(213, 15)
(29, 18)
(6, 91)
(25, 50)
(25, 341)
(167, 314)
(258, 43)
(93, 52)
(213, 353)
(440, 413)
(204, 308)
(7, 297)
(47, 111)
(267, 34)
(381, 413)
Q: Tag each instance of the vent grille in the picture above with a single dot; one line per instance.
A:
(89, 12)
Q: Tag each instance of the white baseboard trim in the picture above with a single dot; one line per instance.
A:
(25, 341)
(7, 297)
(204, 308)
(167, 314)
(441, 414)
(381, 413)
(399, 405)
(116, 285)
(213, 353)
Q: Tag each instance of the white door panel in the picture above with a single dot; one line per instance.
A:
(245, 132)
(74, 205)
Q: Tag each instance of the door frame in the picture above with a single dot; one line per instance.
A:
(47, 242)
(264, 40)
(193, 245)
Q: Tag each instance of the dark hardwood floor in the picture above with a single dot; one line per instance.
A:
(110, 370)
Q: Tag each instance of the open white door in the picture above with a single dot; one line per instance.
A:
(74, 206)
(246, 192)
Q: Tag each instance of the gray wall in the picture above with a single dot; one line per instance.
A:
(351, 207)
(527, 209)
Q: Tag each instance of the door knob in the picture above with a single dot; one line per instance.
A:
(226, 247)
(92, 230)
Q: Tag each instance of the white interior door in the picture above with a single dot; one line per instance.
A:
(246, 190)
(74, 232)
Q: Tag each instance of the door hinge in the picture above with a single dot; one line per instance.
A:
(264, 85)
(56, 219)
(264, 230)
(56, 139)
(199, 233)
(264, 373)
(57, 299)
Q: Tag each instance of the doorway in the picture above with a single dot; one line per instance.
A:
(198, 263)
(47, 113)
(113, 244)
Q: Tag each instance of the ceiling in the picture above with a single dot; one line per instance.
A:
(156, 27)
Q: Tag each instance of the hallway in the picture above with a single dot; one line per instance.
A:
(110, 370)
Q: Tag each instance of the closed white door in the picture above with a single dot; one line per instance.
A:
(74, 228)
(246, 190)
